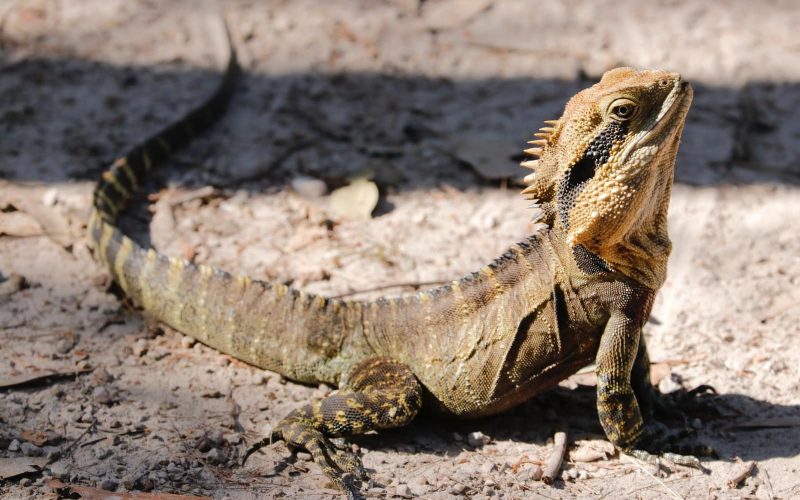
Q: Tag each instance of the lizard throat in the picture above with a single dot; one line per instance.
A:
(583, 170)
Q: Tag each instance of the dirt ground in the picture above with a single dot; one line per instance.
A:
(432, 101)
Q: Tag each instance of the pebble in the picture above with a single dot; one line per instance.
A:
(309, 187)
(418, 487)
(477, 439)
(457, 489)
(63, 346)
(102, 395)
(25, 482)
(102, 453)
(304, 456)
(59, 469)
(215, 456)
(109, 484)
(402, 490)
(140, 348)
(14, 445)
(529, 473)
(668, 385)
(216, 437)
(187, 342)
(31, 450)
(50, 197)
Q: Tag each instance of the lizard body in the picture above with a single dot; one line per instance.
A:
(576, 292)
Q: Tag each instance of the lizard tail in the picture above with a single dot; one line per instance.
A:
(266, 324)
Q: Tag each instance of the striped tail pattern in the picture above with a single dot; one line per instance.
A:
(266, 324)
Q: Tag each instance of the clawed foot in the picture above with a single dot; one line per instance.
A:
(660, 442)
(342, 466)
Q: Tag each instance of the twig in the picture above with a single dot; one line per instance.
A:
(553, 465)
(638, 463)
(769, 485)
(744, 471)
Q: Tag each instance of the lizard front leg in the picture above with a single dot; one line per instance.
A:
(625, 398)
(380, 393)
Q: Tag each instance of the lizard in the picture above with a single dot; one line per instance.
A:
(577, 291)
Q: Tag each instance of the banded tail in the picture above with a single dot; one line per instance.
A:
(268, 325)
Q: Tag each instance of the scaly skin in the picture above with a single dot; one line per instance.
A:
(576, 292)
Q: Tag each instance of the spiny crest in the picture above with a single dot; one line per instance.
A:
(541, 179)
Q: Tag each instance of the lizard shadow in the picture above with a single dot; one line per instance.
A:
(744, 427)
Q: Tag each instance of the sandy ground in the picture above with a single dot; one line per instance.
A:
(421, 97)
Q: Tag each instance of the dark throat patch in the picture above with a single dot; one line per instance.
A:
(596, 154)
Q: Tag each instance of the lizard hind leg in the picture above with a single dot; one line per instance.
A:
(380, 393)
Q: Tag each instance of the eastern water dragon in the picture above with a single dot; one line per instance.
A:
(574, 293)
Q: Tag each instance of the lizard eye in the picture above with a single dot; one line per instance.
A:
(623, 109)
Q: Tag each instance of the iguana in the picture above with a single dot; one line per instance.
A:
(573, 293)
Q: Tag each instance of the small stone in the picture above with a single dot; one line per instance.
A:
(582, 474)
(232, 438)
(204, 445)
(529, 473)
(457, 489)
(669, 384)
(63, 346)
(58, 469)
(14, 445)
(101, 376)
(458, 437)
(128, 482)
(418, 487)
(477, 439)
(402, 490)
(304, 456)
(216, 437)
(487, 468)
(309, 187)
(215, 456)
(140, 348)
(50, 197)
(31, 450)
(187, 342)
(488, 491)
(102, 453)
(109, 484)
(102, 395)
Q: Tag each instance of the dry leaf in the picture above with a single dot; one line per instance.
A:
(41, 438)
(355, 201)
(489, 155)
(19, 224)
(27, 378)
(591, 451)
(13, 467)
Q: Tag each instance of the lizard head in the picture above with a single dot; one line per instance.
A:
(605, 168)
